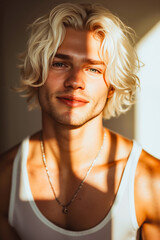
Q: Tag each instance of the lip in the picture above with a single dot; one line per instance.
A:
(72, 101)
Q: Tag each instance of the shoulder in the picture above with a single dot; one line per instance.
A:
(149, 166)
(6, 165)
(148, 175)
(7, 158)
(147, 188)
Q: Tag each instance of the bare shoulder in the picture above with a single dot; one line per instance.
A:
(6, 165)
(148, 177)
(147, 193)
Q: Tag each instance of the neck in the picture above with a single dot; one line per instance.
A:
(72, 147)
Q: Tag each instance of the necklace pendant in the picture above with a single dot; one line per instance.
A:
(65, 210)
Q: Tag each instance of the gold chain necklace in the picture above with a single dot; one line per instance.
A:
(65, 206)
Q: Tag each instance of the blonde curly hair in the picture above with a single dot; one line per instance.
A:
(117, 52)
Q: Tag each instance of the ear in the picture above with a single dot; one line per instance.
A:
(111, 91)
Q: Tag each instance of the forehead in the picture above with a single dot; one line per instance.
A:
(81, 44)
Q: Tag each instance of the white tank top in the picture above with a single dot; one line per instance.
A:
(119, 224)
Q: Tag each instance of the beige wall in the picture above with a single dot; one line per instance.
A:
(15, 121)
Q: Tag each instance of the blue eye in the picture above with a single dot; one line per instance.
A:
(58, 64)
(94, 70)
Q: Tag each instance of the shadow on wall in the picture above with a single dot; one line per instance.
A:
(124, 124)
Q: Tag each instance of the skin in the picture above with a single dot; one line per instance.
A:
(72, 101)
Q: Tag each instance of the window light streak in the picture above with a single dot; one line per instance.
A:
(147, 110)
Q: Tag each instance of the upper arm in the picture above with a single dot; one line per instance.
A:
(147, 196)
(6, 165)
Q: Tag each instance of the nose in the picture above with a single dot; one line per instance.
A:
(75, 79)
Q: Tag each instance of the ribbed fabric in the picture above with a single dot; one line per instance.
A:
(119, 224)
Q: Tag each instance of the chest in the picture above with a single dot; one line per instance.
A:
(86, 206)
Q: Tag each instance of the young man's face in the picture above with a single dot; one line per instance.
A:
(75, 90)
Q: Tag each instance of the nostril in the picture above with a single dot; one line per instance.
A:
(74, 82)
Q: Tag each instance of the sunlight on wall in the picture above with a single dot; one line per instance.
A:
(147, 110)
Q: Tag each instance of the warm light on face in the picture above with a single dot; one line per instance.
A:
(76, 90)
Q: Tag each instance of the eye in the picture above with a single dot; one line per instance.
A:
(58, 64)
(94, 70)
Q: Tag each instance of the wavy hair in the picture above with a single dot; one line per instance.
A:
(117, 52)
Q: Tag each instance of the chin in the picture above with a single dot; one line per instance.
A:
(70, 122)
(73, 120)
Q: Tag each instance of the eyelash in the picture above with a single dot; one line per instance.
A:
(94, 70)
(59, 64)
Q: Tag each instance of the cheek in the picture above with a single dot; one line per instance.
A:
(54, 80)
(41, 95)
(99, 89)
(52, 85)
(103, 93)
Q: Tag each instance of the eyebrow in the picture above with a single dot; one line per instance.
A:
(68, 57)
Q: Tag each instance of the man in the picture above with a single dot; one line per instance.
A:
(74, 179)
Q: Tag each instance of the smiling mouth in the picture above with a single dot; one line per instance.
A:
(72, 101)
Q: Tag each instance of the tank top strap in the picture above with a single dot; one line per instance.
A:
(133, 161)
(127, 183)
(137, 149)
(21, 155)
(130, 168)
(134, 157)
